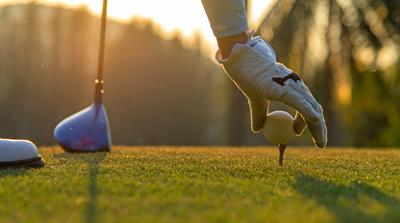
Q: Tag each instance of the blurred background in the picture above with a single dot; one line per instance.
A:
(162, 85)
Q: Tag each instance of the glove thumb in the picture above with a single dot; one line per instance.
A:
(258, 112)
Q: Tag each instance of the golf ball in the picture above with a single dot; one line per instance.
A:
(278, 127)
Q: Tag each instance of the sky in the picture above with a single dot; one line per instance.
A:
(186, 16)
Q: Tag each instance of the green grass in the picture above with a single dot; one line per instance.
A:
(167, 184)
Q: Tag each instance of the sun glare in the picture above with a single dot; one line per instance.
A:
(185, 16)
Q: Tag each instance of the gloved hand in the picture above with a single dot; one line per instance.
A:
(253, 68)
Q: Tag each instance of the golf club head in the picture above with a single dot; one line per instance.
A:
(19, 153)
(85, 131)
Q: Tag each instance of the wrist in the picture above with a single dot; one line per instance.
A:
(225, 44)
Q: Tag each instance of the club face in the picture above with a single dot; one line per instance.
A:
(85, 131)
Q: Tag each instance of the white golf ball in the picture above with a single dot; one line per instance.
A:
(278, 127)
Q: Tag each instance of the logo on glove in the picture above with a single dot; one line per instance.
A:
(282, 80)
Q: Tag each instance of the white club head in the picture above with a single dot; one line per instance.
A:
(19, 153)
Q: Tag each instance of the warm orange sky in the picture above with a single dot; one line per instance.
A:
(187, 16)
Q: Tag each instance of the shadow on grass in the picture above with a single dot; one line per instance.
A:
(15, 171)
(4, 172)
(94, 161)
(91, 210)
(348, 202)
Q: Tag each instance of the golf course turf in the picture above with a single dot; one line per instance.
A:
(205, 184)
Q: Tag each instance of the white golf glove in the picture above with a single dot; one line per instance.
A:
(253, 68)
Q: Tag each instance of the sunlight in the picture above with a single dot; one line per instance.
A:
(258, 9)
(186, 17)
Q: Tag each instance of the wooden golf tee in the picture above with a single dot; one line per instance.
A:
(282, 148)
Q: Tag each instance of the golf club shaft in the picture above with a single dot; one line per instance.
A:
(99, 79)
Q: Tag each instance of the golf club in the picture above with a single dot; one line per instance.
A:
(88, 130)
(19, 153)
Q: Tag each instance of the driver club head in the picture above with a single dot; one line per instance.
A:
(19, 153)
(85, 131)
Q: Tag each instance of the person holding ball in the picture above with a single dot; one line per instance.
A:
(250, 62)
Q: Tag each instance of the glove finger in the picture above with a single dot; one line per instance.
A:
(319, 132)
(314, 118)
(299, 124)
(310, 98)
(318, 127)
